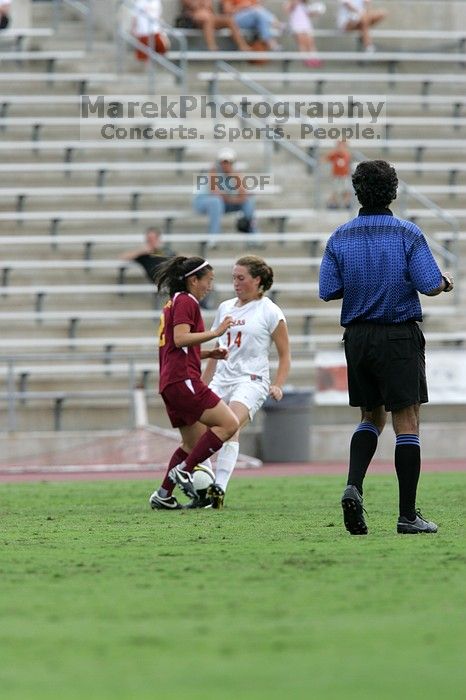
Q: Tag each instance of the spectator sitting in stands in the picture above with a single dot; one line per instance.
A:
(357, 15)
(152, 254)
(299, 19)
(202, 15)
(147, 29)
(252, 17)
(224, 194)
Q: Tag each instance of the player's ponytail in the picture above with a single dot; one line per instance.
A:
(172, 276)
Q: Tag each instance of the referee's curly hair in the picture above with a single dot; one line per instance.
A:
(375, 183)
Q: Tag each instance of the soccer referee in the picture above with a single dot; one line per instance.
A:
(377, 264)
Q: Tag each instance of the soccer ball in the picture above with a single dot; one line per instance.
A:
(203, 477)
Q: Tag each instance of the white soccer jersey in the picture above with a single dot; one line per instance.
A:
(248, 340)
(147, 14)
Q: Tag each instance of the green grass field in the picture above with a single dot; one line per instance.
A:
(270, 598)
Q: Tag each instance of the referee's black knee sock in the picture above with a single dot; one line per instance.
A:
(408, 468)
(362, 448)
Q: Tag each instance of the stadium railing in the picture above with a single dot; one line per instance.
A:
(39, 123)
(50, 57)
(109, 345)
(456, 37)
(41, 292)
(320, 78)
(387, 124)
(134, 192)
(101, 168)
(437, 103)
(393, 59)
(89, 241)
(74, 317)
(82, 80)
(60, 397)
(18, 35)
(281, 217)
(421, 147)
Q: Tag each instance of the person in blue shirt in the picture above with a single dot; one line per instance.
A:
(378, 264)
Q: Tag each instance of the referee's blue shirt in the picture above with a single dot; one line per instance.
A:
(378, 263)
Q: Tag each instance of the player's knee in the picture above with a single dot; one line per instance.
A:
(377, 417)
(406, 420)
(232, 425)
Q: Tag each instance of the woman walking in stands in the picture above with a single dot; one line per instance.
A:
(243, 379)
(191, 405)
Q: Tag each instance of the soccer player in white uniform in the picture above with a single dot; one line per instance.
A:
(243, 379)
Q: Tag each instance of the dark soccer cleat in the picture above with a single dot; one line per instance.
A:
(416, 526)
(159, 503)
(201, 501)
(184, 480)
(216, 495)
(353, 511)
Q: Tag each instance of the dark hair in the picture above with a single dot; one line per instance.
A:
(172, 275)
(257, 267)
(375, 183)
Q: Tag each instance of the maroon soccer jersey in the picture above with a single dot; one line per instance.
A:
(178, 364)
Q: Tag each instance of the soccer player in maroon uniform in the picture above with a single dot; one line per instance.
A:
(203, 419)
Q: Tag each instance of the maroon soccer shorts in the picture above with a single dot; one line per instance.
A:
(186, 401)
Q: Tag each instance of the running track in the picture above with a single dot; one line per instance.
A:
(267, 470)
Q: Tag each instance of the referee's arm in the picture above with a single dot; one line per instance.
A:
(330, 282)
(445, 286)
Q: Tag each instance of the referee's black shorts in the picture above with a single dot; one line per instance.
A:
(386, 365)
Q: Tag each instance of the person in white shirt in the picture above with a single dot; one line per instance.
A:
(146, 26)
(243, 379)
(357, 15)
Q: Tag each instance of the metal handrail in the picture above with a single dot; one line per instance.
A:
(86, 9)
(123, 38)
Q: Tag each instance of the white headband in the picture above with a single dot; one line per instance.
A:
(196, 269)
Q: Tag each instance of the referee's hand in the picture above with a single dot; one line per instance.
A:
(448, 282)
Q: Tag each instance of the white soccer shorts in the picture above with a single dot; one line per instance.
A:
(251, 393)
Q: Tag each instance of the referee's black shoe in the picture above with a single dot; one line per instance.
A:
(413, 527)
(353, 511)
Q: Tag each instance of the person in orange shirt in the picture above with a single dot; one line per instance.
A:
(340, 158)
